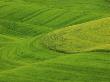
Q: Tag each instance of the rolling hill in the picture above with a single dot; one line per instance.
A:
(54, 41)
(90, 36)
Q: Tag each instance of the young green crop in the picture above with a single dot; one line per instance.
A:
(90, 36)
(24, 28)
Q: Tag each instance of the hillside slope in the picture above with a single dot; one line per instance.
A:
(90, 36)
(39, 40)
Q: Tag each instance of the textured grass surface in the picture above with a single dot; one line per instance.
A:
(31, 42)
(90, 36)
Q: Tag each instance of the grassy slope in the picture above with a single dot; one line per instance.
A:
(93, 67)
(24, 59)
(90, 36)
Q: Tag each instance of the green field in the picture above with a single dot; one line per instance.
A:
(54, 40)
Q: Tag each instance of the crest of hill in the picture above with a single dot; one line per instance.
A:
(90, 36)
